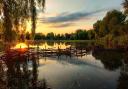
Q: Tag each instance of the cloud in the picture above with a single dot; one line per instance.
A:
(66, 19)
(69, 17)
(62, 25)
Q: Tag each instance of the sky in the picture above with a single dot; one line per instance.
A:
(66, 16)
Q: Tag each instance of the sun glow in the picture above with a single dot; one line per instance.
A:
(20, 46)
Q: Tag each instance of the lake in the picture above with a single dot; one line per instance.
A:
(104, 69)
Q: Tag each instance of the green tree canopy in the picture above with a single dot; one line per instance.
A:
(111, 23)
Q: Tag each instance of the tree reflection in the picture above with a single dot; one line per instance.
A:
(113, 60)
(123, 79)
(110, 59)
(20, 74)
(50, 43)
(2, 76)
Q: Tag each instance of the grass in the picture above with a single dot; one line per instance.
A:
(75, 41)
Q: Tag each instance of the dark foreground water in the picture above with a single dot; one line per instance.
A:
(95, 70)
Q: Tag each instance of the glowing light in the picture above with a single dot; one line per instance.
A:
(54, 46)
(21, 46)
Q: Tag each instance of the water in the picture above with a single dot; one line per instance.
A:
(95, 70)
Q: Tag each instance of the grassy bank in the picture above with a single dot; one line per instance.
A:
(75, 41)
(72, 41)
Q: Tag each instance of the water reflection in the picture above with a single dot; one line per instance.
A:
(50, 45)
(89, 70)
(123, 79)
(20, 73)
(112, 60)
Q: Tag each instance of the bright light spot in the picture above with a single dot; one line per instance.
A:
(20, 46)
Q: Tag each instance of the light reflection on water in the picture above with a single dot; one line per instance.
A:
(95, 70)
(77, 74)
(51, 45)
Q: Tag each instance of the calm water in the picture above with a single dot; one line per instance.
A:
(94, 70)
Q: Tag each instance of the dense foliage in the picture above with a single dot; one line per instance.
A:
(14, 14)
(78, 35)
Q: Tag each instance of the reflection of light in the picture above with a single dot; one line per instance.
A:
(54, 46)
(20, 45)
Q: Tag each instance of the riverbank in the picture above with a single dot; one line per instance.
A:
(64, 41)
(100, 44)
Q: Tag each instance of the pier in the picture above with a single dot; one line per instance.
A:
(20, 53)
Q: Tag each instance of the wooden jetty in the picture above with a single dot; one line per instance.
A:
(29, 52)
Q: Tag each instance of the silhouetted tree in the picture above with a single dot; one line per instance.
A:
(16, 12)
(39, 36)
(50, 36)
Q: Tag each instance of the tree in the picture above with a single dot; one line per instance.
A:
(27, 35)
(73, 36)
(58, 36)
(112, 23)
(114, 20)
(33, 13)
(16, 12)
(67, 36)
(125, 5)
(91, 34)
(39, 36)
(50, 36)
(96, 27)
(81, 34)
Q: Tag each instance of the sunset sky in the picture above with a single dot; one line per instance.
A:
(66, 16)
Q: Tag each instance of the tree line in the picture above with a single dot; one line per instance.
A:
(78, 35)
(112, 30)
(114, 24)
